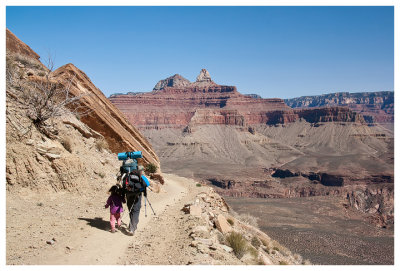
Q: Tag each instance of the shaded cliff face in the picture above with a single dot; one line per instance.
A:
(104, 117)
(374, 106)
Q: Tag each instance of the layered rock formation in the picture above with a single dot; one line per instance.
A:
(173, 81)
(16, 46)
(177, 103)
(374, 106)
(104, 117)
(72, 151)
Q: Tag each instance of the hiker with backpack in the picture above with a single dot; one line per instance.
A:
(134, 184)
(115, 201)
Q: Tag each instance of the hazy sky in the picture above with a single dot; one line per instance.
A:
(279, 52)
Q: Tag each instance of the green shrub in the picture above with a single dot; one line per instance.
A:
(151, 168)
(238, 243)
(230, 221)
(283, 263)
(276, 248)
(198, 184)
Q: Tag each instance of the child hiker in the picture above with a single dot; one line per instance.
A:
(115, 201)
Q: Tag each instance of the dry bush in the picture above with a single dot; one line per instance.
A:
(255, 242)
(67, 143)
(101, 144)
(238, 243)
(253, 252)
(247, 219)
(42, 98)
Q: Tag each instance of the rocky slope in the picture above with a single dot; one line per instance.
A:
(376, 107)
(104, 117)
(70, 152)
(60, 171)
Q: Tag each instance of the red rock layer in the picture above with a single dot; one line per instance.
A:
(15, 45)
(105, 118)
(215, 104)
(178, 107)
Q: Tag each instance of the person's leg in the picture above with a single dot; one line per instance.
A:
(112, 222)
(118, 217)
(135, 214)
(130, 198)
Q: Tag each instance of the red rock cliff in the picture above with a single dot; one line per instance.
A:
(105, 118)
(176, 103)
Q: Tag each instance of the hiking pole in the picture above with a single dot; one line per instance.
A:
(145, 209)
(149, 205)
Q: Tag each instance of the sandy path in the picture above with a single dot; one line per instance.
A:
(94, 245)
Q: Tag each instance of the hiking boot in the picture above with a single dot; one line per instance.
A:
(130, 233)
(112, 231)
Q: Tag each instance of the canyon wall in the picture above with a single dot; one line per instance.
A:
(177, 103)
(376, 107)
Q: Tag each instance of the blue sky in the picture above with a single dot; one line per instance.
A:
(278, 52)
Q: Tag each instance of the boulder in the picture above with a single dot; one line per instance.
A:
(222, 224)
(195, 210)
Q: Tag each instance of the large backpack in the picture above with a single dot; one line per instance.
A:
(134, 182)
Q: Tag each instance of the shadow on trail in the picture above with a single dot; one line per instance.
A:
(97, 222)
(104, 225)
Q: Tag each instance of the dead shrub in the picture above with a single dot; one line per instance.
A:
(67, 143)
(253, 252)
(255, 242)
(101, 144)
(247, 219)
(43, 98)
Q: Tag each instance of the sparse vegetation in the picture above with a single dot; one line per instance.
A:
(238, 243)
(151, 168)
(40, 204)
(43, 98)
(198, 184)
(265, 242)
(253, 252)
(101, 144)
(67, 143)
(246, 218)
(101, 174)
(230, 221)
(255, 242)
(276, 248)
(283, 263)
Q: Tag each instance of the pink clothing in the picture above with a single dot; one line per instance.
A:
(113, 218)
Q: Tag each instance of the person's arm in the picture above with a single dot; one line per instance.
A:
(108, 202)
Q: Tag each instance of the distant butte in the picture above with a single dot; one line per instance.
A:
(175, 102)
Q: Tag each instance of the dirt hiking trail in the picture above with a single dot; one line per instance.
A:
(84, 236)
